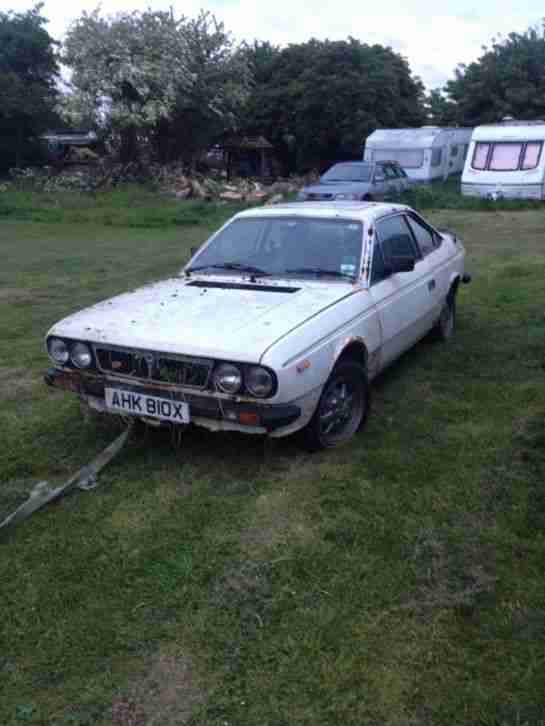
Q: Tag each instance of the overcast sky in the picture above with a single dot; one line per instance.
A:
(434, 36)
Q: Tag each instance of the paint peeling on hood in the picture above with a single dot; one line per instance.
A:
(173, 316)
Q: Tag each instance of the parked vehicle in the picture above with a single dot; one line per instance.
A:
(425, 153)
(506, 160)
(277, 323)
(357, 180)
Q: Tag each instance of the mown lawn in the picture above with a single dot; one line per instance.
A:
(398, 581)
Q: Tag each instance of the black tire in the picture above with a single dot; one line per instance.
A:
(446, 325)
(342, 408)
(367, 198)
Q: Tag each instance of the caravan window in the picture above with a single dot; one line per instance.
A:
(436, 156)
(480, 156)
(531, 155)
(407, 158)
(505, 157)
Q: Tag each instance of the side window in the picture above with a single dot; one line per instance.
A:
(436, 156)
(389, 172)
(423, 236)
(394, 240)
(401, 172)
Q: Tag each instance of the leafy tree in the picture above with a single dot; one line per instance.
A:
(214, 101)
(507, 80)
(441, 110)
(317, 101)
(150, 73)
(28, 71)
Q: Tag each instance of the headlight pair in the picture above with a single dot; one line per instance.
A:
(257, 380)
(79, 354)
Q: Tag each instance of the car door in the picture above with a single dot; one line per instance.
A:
(402, 298)
(434, 252)
(392, 189)
(379, 186)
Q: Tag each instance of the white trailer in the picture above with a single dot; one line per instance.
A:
(426, 153)
(506, 160)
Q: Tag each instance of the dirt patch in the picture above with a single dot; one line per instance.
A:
(279, 516)
(167, 695)
(19, 295)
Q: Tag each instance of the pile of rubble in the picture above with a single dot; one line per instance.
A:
(173, 180)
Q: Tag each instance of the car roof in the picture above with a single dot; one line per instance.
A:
(362, 211)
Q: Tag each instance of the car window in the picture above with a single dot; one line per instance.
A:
(394, 240)
(389, 172)
(401, 172)
(423, 236)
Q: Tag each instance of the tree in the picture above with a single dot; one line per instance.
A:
(125, 71)
(150, 73)
(507, 80)
(213, 103)
(441, 111)
(317, 101)
(28, 71)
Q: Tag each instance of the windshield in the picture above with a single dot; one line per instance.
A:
(347, 173)
(284, 246)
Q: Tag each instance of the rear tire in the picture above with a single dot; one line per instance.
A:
(446, 325)
(342, 408)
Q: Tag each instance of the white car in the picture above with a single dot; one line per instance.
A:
(278, 322)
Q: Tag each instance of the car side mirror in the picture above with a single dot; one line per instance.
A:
(401, 264)
(379, 177)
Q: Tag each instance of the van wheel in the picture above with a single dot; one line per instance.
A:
(444, 328)
(342, 408)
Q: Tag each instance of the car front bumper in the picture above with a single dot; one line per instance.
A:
(213, 412)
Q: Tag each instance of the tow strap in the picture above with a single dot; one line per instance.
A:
(85, 478)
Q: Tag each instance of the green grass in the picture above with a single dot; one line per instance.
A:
(446, 195)
(396, 581)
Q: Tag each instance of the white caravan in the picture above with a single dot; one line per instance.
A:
(506, 160)
(426, 153)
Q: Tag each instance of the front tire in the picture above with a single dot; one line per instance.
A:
(342, 408)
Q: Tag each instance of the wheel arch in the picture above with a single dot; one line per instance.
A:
(354, 349)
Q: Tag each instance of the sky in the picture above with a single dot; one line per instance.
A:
(433, 36)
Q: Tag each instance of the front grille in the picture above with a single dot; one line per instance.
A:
(160, 367)
(319, 197)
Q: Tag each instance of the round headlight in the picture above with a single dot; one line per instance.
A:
(228, 378)
(259, 381)
(58, 350)
(80, 355)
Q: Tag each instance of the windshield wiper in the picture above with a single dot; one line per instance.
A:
(239, 266)
(320, 271)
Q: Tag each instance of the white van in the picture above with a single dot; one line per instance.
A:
(506, 160)
(425, 153)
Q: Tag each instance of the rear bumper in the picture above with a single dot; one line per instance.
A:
(209, 411)
(502, 191)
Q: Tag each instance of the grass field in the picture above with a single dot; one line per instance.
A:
(397, 581)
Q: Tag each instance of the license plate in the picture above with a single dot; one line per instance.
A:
(141, 404)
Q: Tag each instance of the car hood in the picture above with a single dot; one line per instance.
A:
(339, 188)
(208, 316)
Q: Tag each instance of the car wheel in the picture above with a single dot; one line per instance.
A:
(367, 198)
(445, 326)
(342, 408)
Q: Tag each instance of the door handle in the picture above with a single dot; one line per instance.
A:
(431, 285)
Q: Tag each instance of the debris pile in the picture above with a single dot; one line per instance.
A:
(173, 180)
